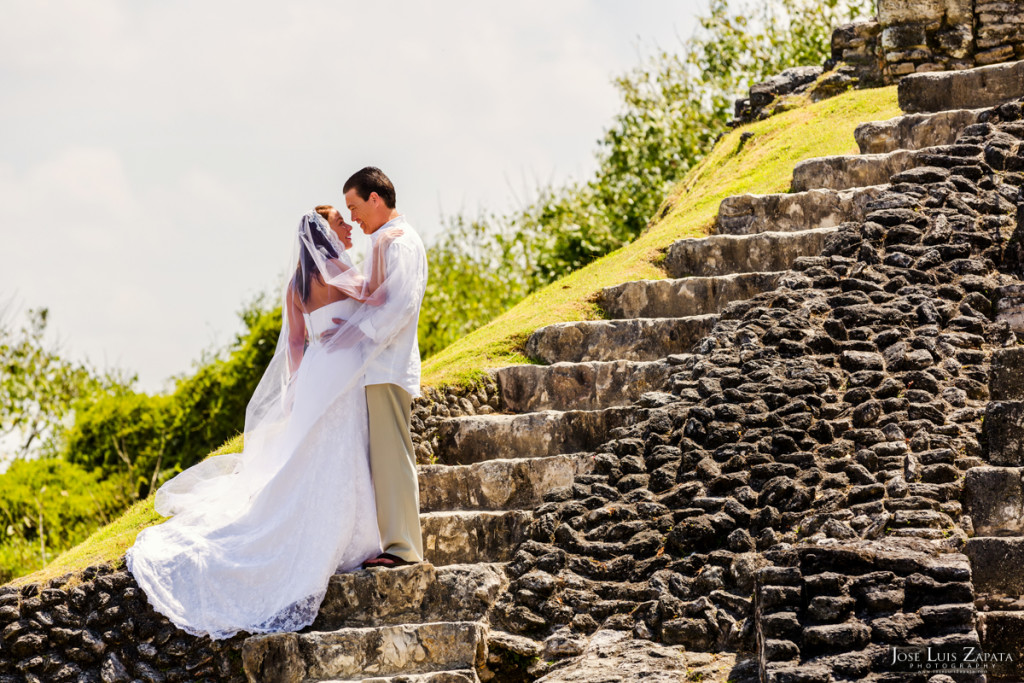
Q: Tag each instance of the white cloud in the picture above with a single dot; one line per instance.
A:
(154, 157)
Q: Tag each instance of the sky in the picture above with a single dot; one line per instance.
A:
(155, 157)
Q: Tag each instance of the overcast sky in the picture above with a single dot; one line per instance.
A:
(155, 157)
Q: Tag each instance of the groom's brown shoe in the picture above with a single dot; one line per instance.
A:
(386, 560)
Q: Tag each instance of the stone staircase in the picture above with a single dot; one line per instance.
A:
(994, 499)
(429, 622)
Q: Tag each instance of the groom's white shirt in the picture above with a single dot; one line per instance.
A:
(395, 322)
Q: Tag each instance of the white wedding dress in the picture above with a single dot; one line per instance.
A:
(255, 537)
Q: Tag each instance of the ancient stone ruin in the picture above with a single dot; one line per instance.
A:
(905, 37)
(797, 458)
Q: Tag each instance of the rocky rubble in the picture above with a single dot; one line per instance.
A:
(99, 628)
(481, 398)
(839, 410)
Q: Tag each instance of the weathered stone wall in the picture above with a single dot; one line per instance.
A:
(99, 627)
(480, 398)
(925, 35)
(842, 610)
(941, 35)
(833, 418)
(999, 31)
(856, 45)
(906, 37)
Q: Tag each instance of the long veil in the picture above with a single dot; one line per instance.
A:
(255, 536)
(317, 253)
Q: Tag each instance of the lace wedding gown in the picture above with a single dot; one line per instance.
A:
(255, 537)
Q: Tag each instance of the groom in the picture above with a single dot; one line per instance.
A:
(393, 376)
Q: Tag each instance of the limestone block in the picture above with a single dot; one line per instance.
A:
(617, 656)
(914, 131)
(925, 11)
(498, 484)
(1004, 429)
(1010, 306)
(747, 214)
(996, 565)
(1006, 376)
(636, 339)
(683, 297)
(466, 537)
(1002, 634)
(994, 499)
(985, 86)
(848, 171)
(726, 254)
(417, 593)
(461, 676)
(273, 657)
(1002, 53)
(466, 440)
(360, 653)
(578, 386)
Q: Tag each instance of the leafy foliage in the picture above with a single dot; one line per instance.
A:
(149, 438)
(49, 505)
(674, 106)
(37, 387)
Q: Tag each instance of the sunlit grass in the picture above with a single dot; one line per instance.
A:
(762, 165)
(108, 543)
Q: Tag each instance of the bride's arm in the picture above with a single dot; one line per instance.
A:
(296, 329)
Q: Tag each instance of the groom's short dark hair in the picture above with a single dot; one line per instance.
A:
(372, 179)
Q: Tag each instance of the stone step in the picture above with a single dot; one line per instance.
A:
(519, 484)
(592, 385)
(985, 86)
(851, 170)
(357, 654)
(1002, 635)
(993, 497)
(747, 214)
(462, 676)
(726, 254)
(415, 594)
(1005, 374)
(861, 170)
(1004, 431)
(465, 537)
(683, 297)
(467, 440)
(636, 339)
(914, 131)
(996, 565)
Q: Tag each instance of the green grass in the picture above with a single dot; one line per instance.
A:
(764, 165)
(108, 543)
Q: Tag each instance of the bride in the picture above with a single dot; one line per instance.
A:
(254, 537)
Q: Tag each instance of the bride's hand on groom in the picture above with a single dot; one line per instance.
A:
(342, 338)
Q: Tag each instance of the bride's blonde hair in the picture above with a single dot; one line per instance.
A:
(323, 210)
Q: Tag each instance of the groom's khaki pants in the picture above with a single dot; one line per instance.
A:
(393, 465)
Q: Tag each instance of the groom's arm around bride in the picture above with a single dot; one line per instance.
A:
(393, 371)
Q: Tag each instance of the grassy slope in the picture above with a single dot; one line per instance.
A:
(764, 165)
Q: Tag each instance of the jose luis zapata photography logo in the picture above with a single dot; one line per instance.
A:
(965, 658)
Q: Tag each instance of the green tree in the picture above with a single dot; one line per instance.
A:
(147, 438)
(674, 106)
(47, 506)
(38, 387)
